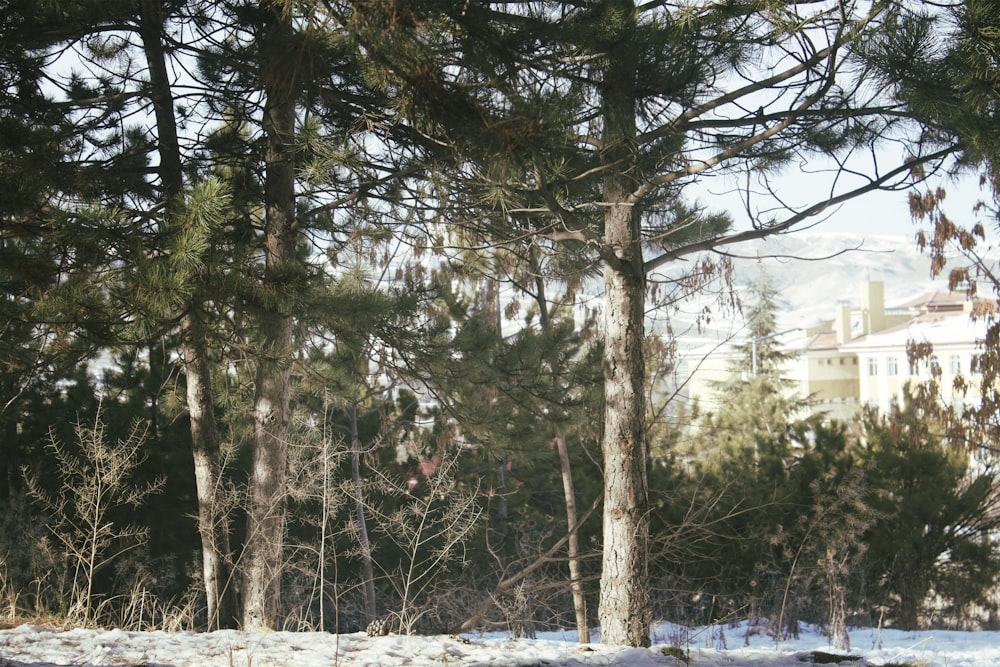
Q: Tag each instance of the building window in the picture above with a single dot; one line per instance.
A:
(935, 367)
(892, 366)
(872, 366)
(956, 364)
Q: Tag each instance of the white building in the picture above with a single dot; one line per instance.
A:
(861, 356)
(939, 323)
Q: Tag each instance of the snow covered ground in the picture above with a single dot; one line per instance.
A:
(32, 646)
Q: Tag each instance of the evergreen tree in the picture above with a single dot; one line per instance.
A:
(785, 504)
(585, 124)
(943, 66)
(190, 231)
(192, 220)
(935, 515)
(519, 395)
(36, 143)
(757, 407)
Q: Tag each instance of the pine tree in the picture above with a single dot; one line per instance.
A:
(585, 124)
(192, 225)
(935, 514)
(52, 241)
(188, 225)
(943, 66)
(757, 406)
(519, 378)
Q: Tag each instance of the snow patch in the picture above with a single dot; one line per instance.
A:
(34, 646)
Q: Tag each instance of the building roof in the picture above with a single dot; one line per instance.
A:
(936, 302)
(941, 328)
(825, 340)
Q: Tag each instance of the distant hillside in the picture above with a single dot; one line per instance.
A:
(812, 273)
(809, 290)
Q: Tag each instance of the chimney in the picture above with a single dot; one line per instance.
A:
(842, 324)
(873, 306)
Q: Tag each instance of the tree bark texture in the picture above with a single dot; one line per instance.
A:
(569, 493)
(573, 544)
(213, 527)
(220, 593)
(271, 411)
(624, 606)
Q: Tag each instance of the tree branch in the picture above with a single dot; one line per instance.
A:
(505, 584)
(787, 224)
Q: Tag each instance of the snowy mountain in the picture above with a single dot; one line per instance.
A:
(812, 274)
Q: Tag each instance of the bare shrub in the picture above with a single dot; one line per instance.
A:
(95, 482)
(315, 499)
(428, 528)
(418, 546)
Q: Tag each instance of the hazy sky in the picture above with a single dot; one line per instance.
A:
(889, 212)
(875, 213)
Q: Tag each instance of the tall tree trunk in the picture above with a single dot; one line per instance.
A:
(271, 411)
(624, 606)
(212, 524)
(569, 493)
(367, 570)
(573, 544)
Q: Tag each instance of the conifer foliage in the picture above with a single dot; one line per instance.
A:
(936, 508)
(589, 124)
(259, 198)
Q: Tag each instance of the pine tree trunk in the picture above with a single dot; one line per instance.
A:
(268, 482)
(624, 606)
(213, 528)
(573, 543)
(569, 493)
(367, 569)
